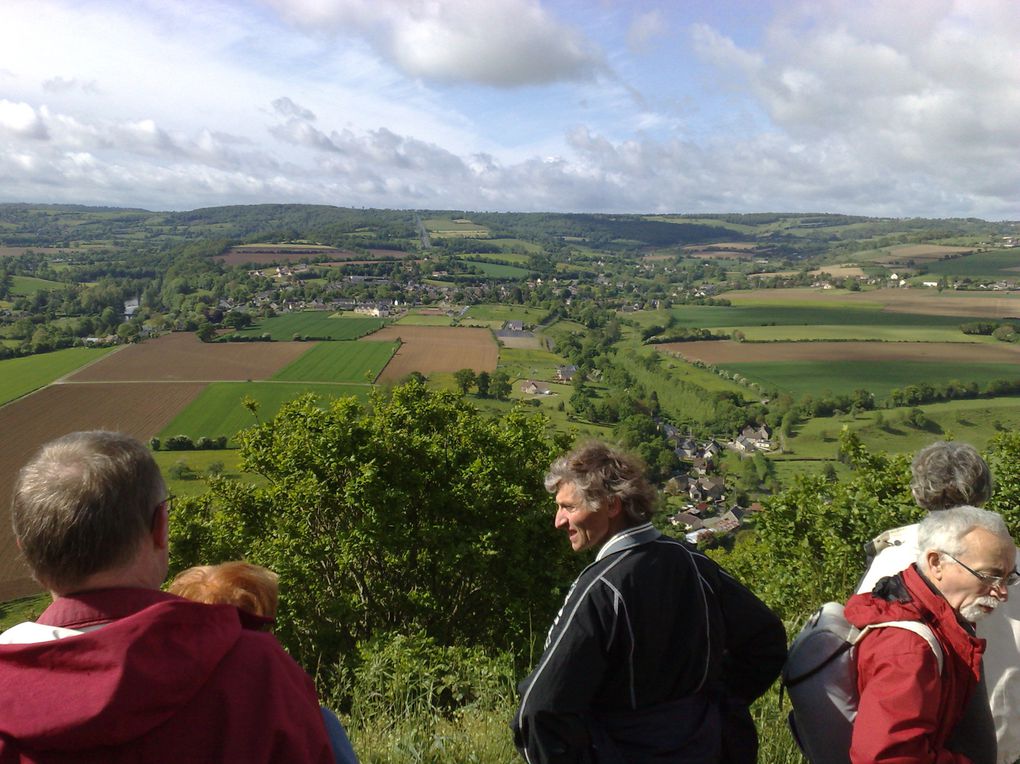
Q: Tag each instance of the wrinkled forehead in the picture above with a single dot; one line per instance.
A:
(989, 551)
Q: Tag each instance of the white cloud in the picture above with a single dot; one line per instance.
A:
(21, 120)
(288, 108)
(506, 44)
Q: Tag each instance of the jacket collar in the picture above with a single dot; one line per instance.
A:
(628, 539)
(99, 606)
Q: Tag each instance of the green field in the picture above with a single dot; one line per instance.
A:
(519, 363)
(340, 362)
(525, 313)
(29, 285)
(319, 324)
(715, 317)
(999, 263)
(794, 333)
(840, 377)
(972, 421)
(193, 483)
(495, 270)
(417, 319)
(218, 409)
(19, 376)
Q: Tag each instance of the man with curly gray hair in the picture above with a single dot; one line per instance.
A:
(945, 475)
(657, 652)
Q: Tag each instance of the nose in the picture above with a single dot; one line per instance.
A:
(1000, 591)
(561, 519)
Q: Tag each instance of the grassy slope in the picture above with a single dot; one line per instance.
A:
(523, 313)
(19, 376)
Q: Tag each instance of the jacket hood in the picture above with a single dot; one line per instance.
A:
(141, 667)
(907, 596)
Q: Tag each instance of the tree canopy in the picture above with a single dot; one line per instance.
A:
(417, 514)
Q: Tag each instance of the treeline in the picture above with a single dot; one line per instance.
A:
(925, 392)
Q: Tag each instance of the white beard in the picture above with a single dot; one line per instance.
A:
(974, 613)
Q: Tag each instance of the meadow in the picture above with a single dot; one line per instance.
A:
(745, 315)
(443, 227)
(28, 285)
(521, 363)
(423, 319)
(818, 378)
(490, 312)
(340, 362)
(218, 410)
(19, 376)
(317, 324)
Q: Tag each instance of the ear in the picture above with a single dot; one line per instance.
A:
(615, 507)
(934, 560)
(161, 529)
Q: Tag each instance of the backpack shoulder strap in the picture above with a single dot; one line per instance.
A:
(920, 629)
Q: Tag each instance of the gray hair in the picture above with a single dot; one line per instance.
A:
(944, 531)
(601, 473)
(949, 474)
(83, 504)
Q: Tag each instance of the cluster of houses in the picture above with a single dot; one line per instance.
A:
(564, 375)
(705, 513)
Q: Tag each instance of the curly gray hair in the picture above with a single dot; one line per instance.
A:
(949, 474)
(601, 473)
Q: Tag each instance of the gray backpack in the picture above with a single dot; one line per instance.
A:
(820, 677)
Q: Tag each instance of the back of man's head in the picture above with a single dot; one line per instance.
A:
(83, 504)
(949, 474)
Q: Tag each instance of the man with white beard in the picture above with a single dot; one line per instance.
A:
(911, 698)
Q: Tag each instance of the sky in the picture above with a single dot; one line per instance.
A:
(891, 108)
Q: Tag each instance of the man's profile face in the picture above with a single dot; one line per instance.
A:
(585, 528)
(987, 554)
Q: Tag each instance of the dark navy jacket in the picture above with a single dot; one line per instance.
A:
(655, 652)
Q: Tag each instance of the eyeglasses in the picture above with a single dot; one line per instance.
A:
(992, 582)
(168, 502)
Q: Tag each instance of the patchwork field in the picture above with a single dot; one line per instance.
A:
(1001, 263)
(139, 409)
(23, 375)
(437, 348)
(955, 305)
(219, 411)
(28, 285)
(313, 323)
(340, 362)
(809, 315)
(424, 319)
(495, 270)
(726, 353)
(181, 356)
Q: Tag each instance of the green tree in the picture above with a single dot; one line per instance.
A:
(499, 385)
(398, 518)
(206, 332)
(482, 382)
(464, 378)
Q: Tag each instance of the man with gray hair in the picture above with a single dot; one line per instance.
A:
(913, 693)
(115, 670)
(943, 475)
(657, 652)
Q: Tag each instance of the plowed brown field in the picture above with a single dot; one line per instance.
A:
(437, 348)
(724, 351)
(139, 409)
(181, 356)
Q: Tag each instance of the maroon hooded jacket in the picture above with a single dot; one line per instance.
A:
(907, 710)
(165, 680)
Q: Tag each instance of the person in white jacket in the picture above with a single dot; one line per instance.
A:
(946, 475)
